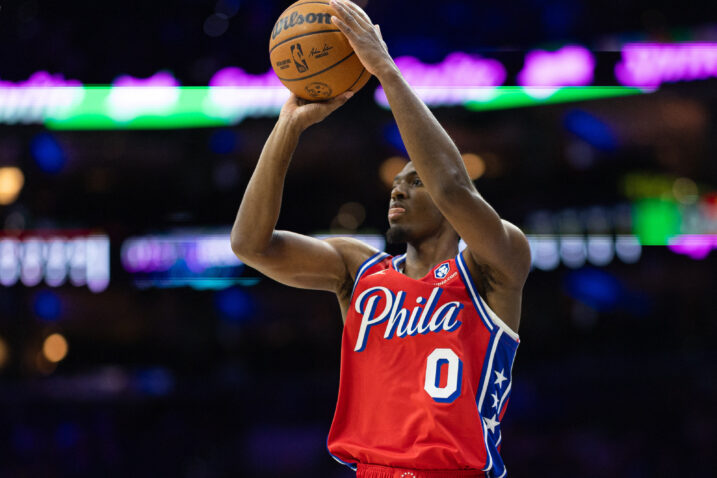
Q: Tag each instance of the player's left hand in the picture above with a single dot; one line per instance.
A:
(365, 37)
(303, 113)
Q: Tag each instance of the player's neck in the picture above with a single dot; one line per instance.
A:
(422, 256)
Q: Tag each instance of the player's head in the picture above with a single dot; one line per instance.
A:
(412, 214)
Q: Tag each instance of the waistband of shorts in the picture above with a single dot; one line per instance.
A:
(378, 471)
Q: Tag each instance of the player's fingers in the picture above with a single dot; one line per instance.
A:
(335, 103)
(345, 29)
(358, 11)
(380, 36)
(346, 15)
(343, 98)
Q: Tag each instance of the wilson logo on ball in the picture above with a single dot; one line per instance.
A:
(290, 21)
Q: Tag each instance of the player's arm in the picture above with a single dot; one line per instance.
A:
(491, 241)
(290, 258)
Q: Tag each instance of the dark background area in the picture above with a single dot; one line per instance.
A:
(616, 374)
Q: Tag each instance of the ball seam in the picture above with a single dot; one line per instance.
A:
(319, 72)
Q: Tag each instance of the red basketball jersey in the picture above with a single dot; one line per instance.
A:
(425, 372)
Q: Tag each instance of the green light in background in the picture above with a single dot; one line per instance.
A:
(106, 107)
(656, 220)
(506, 97)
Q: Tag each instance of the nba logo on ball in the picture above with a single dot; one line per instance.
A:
(442, 271)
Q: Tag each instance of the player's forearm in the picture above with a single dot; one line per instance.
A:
(259, 209)
(434, 154)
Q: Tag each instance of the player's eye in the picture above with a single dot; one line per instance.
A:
(417, 182)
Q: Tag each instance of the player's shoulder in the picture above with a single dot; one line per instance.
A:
(353, 251)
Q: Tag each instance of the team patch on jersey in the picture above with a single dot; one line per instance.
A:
(442, 271)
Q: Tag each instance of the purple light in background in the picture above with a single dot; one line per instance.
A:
(572, 65)
(234, 76)
(237, 94)
(132, 97)
(162, 78)
(43, 94)
(459, 77)
(197, 252)
(41, 79)
(456, 70)
(648, 65)
(696, 246)
(86, 260)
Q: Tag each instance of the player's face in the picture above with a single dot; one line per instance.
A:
(412, 214)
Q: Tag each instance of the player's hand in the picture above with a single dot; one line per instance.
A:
(365, 37)
(304, 113)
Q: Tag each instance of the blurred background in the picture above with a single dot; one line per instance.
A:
(133, 342)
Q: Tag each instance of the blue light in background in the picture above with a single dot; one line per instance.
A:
(595, 288)
(67, 435)
(234, 304)
(47, 305)
(393, 137)
(154, 381)
(590, 129)
(559, 16)
(47, 153)
(223, 141)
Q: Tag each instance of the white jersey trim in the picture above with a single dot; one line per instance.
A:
(496, 320)
(489, 369)
(490, 317)
(397, 261)
(368, 263)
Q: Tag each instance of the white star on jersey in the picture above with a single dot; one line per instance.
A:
(491, 423)
(495, 399)
(500, 378)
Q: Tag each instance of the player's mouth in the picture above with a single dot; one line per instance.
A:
(395, 212)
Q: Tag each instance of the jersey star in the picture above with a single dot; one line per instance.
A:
(495, 399)
(491, 423)
(500, 378)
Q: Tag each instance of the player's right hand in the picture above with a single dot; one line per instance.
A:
(304, 113)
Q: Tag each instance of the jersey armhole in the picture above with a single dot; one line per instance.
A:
(367, 264)
(489, 317)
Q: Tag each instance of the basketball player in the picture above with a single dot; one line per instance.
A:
(429, 336)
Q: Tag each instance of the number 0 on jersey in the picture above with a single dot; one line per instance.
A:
(435, 368)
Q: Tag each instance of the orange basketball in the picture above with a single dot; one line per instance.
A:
(311, 56)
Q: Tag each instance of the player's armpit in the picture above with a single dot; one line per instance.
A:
(309, 263)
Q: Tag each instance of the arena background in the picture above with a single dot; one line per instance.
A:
(133, 344)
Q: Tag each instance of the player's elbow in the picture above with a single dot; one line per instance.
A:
(238, 247)
(250, 248)
(243, 246)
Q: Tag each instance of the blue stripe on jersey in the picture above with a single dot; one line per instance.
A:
(468, 281)
(482, 388)
(496, 384)
(367, 264)
(397, 261)
(353, 466)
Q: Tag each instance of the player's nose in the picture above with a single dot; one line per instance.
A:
(398, 191)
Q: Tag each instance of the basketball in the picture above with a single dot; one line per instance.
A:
(311, 56)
